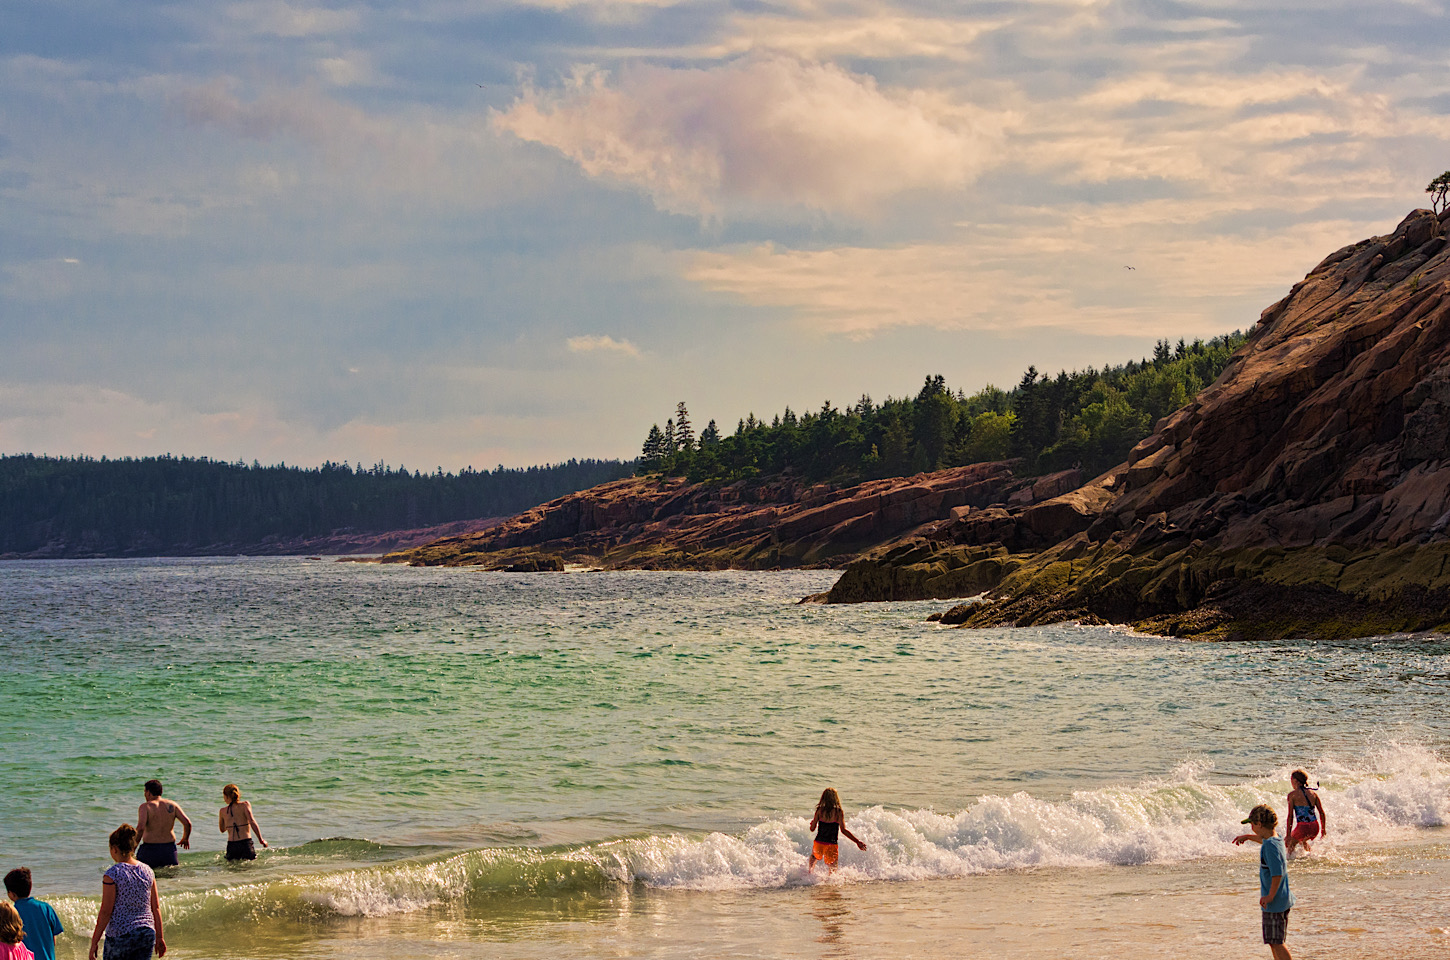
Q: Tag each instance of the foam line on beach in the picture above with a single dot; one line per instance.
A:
(1394, 791)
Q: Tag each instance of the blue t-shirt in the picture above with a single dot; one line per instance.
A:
(41, 925)
(1273, 863)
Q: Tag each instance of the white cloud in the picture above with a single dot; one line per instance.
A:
(807, 35)
(354, 69)
(281, 19)
(1067, 274)
(606, 343)
(758, 134)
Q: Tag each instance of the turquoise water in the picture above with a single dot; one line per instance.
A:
(462, 760)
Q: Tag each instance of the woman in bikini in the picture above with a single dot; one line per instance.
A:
(829, 821)
(1306, 818)
(237, 822)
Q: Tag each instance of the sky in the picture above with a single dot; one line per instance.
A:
(478, 232)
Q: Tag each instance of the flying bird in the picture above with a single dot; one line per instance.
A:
(1126, 267)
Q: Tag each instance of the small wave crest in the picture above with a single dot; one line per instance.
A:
(1395, 790)
(401, 886)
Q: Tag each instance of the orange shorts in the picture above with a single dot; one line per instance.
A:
(829, 852)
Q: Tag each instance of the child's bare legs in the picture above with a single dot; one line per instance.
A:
(1279, 951)
(811, 866)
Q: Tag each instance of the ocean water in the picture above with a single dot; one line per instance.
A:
(451, 763)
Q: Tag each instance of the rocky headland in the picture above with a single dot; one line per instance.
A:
(1304, 493)
(649, 523)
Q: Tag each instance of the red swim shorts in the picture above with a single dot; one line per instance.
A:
(1305, 830)
(829, 852)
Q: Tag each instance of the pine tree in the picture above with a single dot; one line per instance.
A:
(710, 436)
(1438, 189)
(654, 446)
(684, 433)
(670, 445)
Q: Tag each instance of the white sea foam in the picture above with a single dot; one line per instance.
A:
(1398, 789)
(1389, 794)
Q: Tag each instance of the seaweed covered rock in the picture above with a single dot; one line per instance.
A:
(919, 570)
(540, 564)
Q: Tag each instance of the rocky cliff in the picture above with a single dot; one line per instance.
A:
(1306, 492)
(649, 523)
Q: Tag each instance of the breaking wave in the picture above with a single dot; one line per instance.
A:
(1394, 791)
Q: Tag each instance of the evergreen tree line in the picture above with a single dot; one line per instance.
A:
(160, 505)
(1089, 419)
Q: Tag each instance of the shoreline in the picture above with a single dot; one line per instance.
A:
(1194, 908)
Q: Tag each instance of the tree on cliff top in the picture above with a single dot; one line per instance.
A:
(1088, 418)
(684, 432)
(1438, 189)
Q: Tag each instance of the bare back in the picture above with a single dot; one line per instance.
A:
(236, 820)
(158, 820)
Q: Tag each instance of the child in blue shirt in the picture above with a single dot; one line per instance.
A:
(1274, 897)
(36, 916)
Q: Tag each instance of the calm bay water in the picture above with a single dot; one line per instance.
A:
(454, 763)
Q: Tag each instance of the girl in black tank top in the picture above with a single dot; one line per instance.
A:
(829, 822)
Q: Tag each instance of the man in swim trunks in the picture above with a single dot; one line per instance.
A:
(156, 822)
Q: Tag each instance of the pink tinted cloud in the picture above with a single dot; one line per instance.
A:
(757, 133)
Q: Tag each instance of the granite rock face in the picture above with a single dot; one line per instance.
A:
(1305, 492)
(649, 523)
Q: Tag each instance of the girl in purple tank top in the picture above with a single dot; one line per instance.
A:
(130, 915)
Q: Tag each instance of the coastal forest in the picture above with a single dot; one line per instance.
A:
(1089, 419)
(165, 505)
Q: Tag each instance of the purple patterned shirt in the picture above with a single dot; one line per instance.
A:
(133, 898)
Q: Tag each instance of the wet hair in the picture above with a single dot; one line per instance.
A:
(830, 803)
(11, 929)
(124, 838)
(1264, 816)
(231, 792)
(1299, 778)
(17, 881)
(153, 787)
